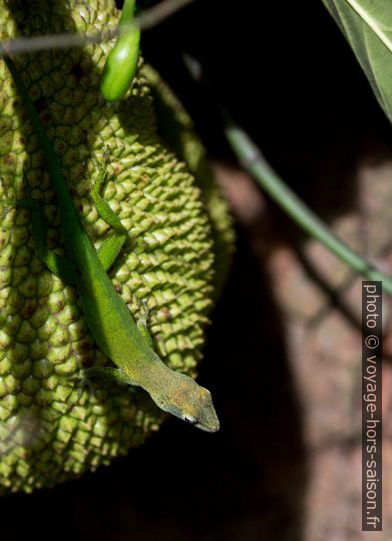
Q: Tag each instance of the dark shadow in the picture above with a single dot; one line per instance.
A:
(289, 79)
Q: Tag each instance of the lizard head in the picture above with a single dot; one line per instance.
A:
(189, 402)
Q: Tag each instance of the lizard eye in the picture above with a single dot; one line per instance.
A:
(189, 419)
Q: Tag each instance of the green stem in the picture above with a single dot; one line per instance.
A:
(255, 163)
(127, 13)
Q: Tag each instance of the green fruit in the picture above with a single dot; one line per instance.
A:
(121, 66)
(122, 61)
(50, 429)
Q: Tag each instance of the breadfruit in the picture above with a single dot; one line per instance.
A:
(51, 428)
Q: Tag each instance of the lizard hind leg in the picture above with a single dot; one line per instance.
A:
(112, 246)
(57, 264)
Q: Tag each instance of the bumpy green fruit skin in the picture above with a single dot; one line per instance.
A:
(176, 128)
(49, 430)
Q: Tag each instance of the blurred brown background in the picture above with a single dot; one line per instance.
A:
(283, 352)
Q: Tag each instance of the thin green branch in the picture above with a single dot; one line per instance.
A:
(255, 163)
(147, 19)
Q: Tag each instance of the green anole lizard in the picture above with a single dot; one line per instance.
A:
(126, 344)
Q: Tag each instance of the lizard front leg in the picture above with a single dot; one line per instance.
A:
(106, 373)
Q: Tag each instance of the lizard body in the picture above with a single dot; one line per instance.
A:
(106, 313)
